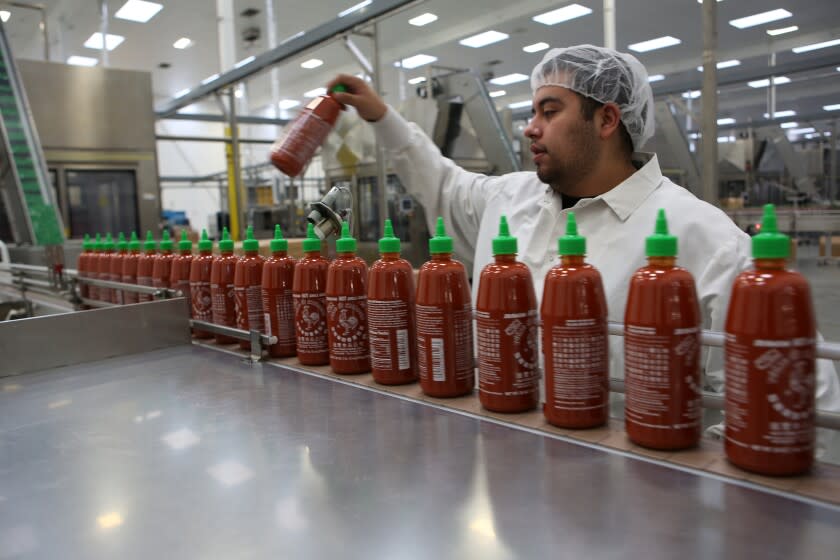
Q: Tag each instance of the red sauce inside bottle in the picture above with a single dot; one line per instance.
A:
(200, 295)
(116, 264)
(103, 268)
(310, 300)
(179, 278)
(128, 274)
(222, 273)
(247, 288)
(162, 267)
(83, 266)
(278, 304)
(145, 266)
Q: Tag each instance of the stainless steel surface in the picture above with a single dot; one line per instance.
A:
(186, 453)
(47, 342)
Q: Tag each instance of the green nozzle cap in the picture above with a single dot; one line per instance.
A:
(440, 243)
(278, 243)
(505, 243)
(345, 243)
(340, 88)
(389, 243)
(87, 245)
(572, 244)
(134, 243)
(661, 243)
(225, 243)
(166, 242)
(770, 244)
(204, 244)
(108, 244)
(311, 243)
(97, 245)
(149, 245)
(250, 244)
(185, 244)
(122, 245)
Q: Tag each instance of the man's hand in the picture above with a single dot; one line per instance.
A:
(359, 95)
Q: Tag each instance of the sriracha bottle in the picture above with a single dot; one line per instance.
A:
(662, 349)
(247, 287)
(115, 265)
(391, 321)
(506, 329)
(574, 338)
(770, 362)
(445, 357)
(310, 299)
(278, 305)
(179, 277)
(200, 298)
(83, 266)
(128, 274)
(221, 287)
(145, 266)
(347, 308)
(103, 268)
(162, 268)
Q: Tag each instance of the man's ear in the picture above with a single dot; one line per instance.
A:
(610, 120)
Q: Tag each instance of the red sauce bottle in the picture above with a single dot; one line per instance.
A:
(179, 277)
(506, 329)
(247, 288)
(162, 268)
(310, 299)
(146, 265)
(770, 362)
(347, 331)
(128, 274)
(200, 294)
(222, 273)
(103, 268)
(575, 343)
(306, 133)
(662, 324)
(278, 305)
(115, 267)
(93, 267)
(445, 357)
(391, 320)
(83, 266)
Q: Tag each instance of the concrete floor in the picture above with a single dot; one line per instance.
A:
(825, 285)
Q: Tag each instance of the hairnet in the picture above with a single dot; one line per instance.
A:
(606, 76)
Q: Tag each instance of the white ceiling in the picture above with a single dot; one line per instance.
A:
(146, 45)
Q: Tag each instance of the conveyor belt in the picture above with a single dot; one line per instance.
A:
(192, 453)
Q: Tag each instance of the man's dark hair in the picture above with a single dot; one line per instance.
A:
(588, 106)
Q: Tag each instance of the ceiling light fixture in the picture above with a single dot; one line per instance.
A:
(423, 19)
(560, 15)
(111, 41)
(801, 130)
(311, 63)
(417, 60)
(417, 80)
(654, 44)
(498, 93)
(760, 19)
(780, 114)
(725, 121)
(138, 10)
(536, 47)
(288, 103)
(778, 80)
(355, 8)
(317, 92)
(183, 43)
(694, 94)
(816, 46)
(656, 78)
(831, 107)
(484, 39)
(782, 30)
(5, 15)
(82, 61)
(519, 104)
(789, 125)
(724, 64)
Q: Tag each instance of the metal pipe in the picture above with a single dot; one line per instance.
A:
(239, 334)
(243, 119)
(103, 30)
(150, 290)
(211, 139)
(381, 177)
(609, 24)
(237, 171)
(271, 23)
(708, 145)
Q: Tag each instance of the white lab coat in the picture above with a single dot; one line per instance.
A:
(615, 224)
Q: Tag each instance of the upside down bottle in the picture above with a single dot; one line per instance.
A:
(278, 304)
(310, 299)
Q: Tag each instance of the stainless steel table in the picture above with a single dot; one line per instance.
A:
(192, 453)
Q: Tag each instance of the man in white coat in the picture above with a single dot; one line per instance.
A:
(592, 112)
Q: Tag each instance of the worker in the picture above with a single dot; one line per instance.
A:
(592, 113)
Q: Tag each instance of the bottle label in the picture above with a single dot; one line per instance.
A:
(770, 387)
(388, 325)
(437, 360)
(279, 311)
(311, 322)
(248, 305)
(507, 352)
(576, 358)
(347, 320)
(144, 281)
(303, 137)
(202, 301)
(223, 304)
(662, 376)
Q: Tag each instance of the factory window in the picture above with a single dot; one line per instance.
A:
(101, 200)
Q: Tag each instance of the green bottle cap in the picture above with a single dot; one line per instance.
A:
(572, 244)
(505, 243)
(278, 243)
(389, 243)
(184, 244)
(166, 242)
(249, 244)
(204, 244)
(134, 243)
(770, 244)
(108, 244)
(440, 243)
(345, 243)
(149, 246)
(225, 243)
(87, 244)
(661, 243)
(340, 88)
(122, 245)
(311, 243)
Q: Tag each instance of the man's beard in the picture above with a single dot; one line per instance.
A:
(579, 160)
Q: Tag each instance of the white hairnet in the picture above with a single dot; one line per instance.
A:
(606, 76)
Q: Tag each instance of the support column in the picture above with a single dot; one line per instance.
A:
(274, 73)
(609, 24)
(833, 194)
(103, 29)
(708, 119)
(381, 175)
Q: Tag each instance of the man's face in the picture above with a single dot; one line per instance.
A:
(565, 146)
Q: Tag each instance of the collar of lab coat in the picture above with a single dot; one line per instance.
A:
(625, 197)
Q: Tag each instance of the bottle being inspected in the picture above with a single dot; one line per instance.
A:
(278, 304)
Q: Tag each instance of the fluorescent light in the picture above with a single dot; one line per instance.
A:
(180, 439)
(724, 64)
(111, 41)
(417, 60)
(560, 15)
(782, 30)
(109, 520)
(694, 135)
(760, 19)
(789, 125)
(653, 44)
(82, 61)
(138, 10)
(315, 92)
(694, 94)
(311, 63)
(726, 120)
(780, 114)
(816, 46)
(209, 79)
(244, 61)
(239, 92)
(656, 78)
(183, 43)
(778, 80)
(230, 473)
(423, 19)
(831, 107)
(801, 130)
(536, 47)
(484, 39)
(508, 79)
(355, 8)
(519, 104)
(288, 103)
(417, 80)
(5, 15)
(498, 93)
(182, 93)
(701, 1)
(725, 139)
